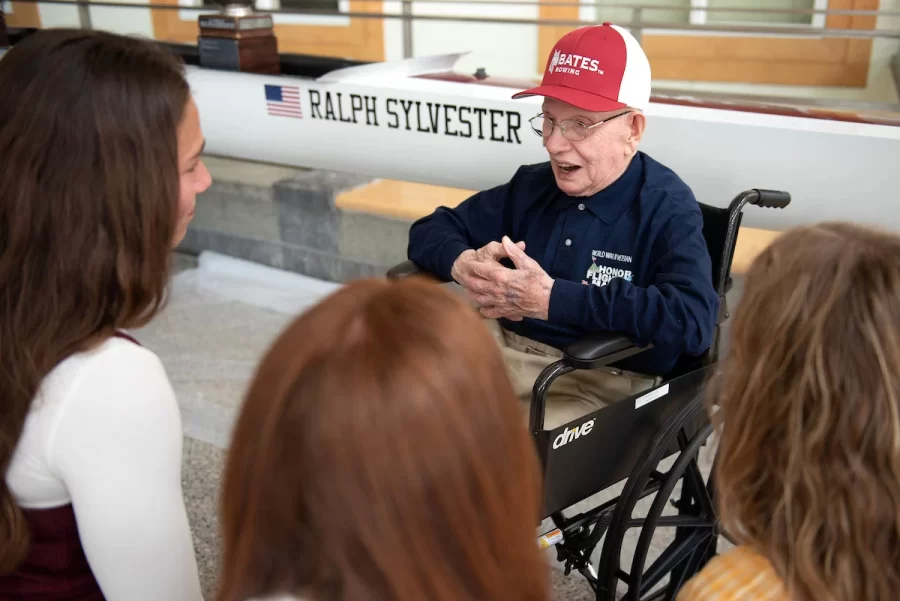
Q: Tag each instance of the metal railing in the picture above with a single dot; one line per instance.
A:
(637, 25)
(638, 21)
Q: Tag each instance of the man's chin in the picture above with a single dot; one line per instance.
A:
(569, 187)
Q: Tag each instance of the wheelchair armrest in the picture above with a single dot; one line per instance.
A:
(402, 270)
(600, 349)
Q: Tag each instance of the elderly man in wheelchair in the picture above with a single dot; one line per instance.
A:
(600, 273)
(609, 240)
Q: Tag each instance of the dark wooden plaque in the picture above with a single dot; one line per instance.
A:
(244, 42)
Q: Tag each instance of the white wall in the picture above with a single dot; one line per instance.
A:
(129, 21)
(504, 50)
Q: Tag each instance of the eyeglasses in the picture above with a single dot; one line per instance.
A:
(571, 129)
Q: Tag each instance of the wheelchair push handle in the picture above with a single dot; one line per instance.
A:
(771, 199)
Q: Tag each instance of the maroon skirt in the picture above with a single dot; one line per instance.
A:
(56, 568)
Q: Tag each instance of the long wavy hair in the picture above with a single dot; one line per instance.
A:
(808, 471)
(381, 455)
(89, 188)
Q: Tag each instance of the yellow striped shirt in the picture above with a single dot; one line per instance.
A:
(737, 575)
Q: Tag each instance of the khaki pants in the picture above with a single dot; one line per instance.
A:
(571, 395)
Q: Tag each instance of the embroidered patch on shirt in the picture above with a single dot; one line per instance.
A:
(602, 271)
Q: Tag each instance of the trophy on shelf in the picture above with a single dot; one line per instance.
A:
(238, 39)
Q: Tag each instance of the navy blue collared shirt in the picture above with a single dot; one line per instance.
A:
(630, 259)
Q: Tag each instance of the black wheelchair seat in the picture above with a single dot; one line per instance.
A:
(604, 446)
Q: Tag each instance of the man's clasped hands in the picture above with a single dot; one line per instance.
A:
(501, 292)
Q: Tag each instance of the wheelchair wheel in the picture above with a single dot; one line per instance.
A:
(695, 527)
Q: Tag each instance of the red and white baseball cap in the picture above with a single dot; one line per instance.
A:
(598, 68)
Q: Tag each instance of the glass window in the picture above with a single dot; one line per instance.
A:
(653, 15)
(761, 17)
(321, 6)
(683, 12)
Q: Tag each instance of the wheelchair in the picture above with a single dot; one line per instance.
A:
(628, 440)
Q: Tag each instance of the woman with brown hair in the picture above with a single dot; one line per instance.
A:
(380, 455)
(99, 140)
(808, 472)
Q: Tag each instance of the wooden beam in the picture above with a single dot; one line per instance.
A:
(24, 14)
(410, 200)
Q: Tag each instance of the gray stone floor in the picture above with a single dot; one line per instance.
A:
(201, 477)
(210, 337)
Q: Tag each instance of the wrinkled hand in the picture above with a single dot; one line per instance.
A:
(509, 293)
(467, 267)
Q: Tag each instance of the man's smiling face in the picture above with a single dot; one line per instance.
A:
(584, 167)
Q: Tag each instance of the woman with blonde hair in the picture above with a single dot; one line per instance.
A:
(808, 472)
(380, 455)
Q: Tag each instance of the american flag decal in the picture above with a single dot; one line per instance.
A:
(283, 101)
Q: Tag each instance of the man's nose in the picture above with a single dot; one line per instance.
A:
(556, 142)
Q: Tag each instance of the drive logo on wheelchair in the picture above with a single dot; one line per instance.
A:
(571, 434)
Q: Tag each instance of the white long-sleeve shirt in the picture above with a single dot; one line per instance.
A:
(104, 434)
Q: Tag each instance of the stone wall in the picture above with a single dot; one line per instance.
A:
(288, 218)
